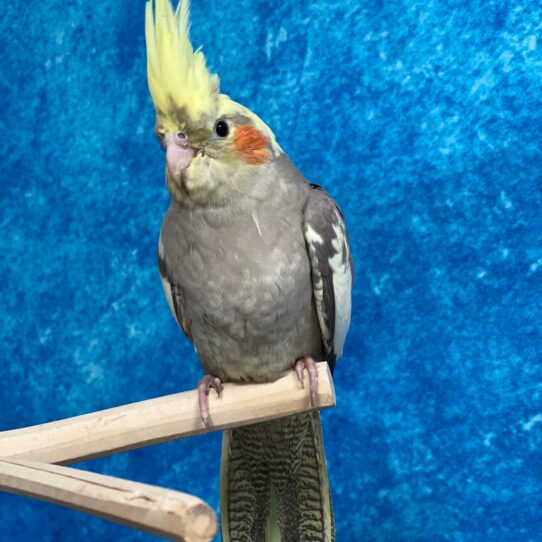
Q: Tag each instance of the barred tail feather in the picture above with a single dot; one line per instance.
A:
(274, 483)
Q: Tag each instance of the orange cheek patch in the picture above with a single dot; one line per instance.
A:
(251, 144)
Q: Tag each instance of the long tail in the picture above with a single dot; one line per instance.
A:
(274, 483)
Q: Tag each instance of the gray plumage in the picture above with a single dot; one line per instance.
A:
(257, 284)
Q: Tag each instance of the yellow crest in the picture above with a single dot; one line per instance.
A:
(179, 81)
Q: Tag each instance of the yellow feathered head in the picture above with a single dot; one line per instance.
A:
(182, 89)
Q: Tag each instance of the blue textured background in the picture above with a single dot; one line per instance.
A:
(423, 119)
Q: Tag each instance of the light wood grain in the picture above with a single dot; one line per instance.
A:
(163, 512)
(162, 419)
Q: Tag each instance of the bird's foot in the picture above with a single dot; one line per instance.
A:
(204, 387)
(308, 363)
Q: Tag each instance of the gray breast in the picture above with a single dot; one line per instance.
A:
(245, 277)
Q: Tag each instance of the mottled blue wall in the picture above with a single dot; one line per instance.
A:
(423, 119)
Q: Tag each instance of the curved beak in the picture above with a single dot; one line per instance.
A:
(179, 154)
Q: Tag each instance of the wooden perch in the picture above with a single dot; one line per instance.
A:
(163, 419)
(162, 512)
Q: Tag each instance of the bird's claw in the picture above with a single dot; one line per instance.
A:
(308, 363)
(205, 385)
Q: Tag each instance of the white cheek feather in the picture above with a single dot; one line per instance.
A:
(342, 287)
(202, 172)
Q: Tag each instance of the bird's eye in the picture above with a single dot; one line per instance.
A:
(222, 129)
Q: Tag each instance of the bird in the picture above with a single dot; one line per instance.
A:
(256, 266)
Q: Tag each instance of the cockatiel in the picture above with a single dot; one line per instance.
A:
(256, 266)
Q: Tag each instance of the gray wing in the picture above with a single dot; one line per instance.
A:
(173, 292)
(332, 269)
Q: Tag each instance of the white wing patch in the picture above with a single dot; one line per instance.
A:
(166, 285)
(313, 236)
(329, 253)
(342, 286)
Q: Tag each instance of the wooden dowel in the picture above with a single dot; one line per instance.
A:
(163, 512)
(162, 419)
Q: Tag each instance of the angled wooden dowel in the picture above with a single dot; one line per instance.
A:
(163, 512)
(162, 419)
